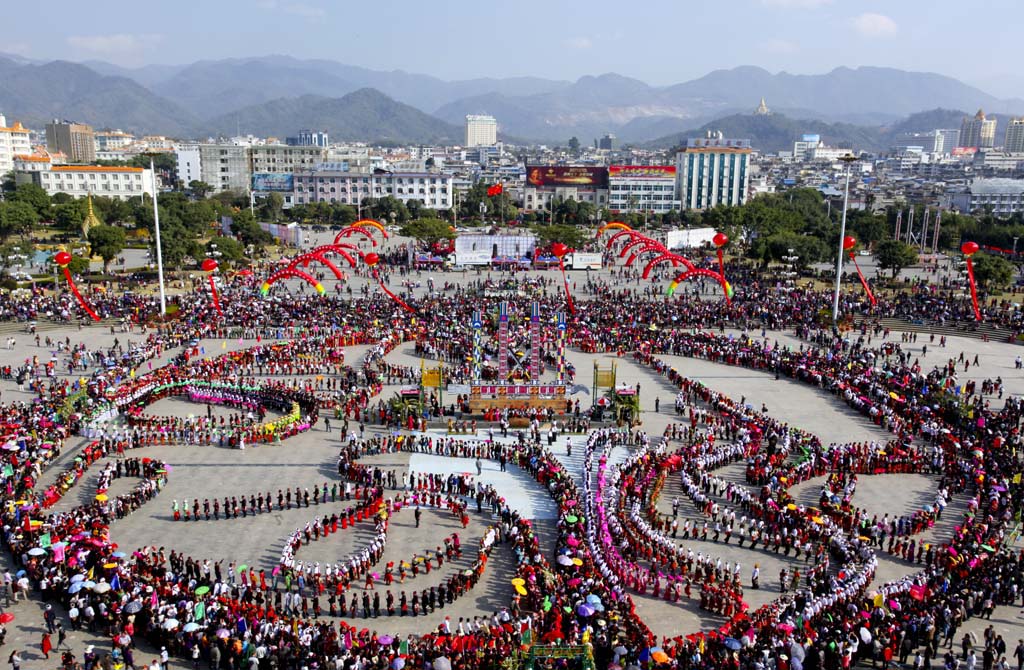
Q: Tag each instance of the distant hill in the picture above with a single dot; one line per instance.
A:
(196, 99)
(924, 122)
(36, 94)
(843, 92)
(365, 114)
(777, 132)
(209, 88)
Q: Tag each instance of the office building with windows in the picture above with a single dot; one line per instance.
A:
(75, 140)
(713, 171)
(978, 131)
(642, 188)
(481, 130)
(79, 181)
(1014, 142)
(351, 188)
(14, 141)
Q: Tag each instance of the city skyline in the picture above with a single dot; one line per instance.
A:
(802, 37)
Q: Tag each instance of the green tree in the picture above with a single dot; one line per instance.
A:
(200, 188)
(34, 196)
(17, 217)
(16, 253)
(69, 216)
(428, 231)
(571, 236)
(272, 206)
(993, 272)
(231, 250)
(895, 255)
(107, 242)
(248, 231)
(177, 245)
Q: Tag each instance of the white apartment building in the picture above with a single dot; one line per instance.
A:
(713, 171)
(481, 130)
(189, 163)
(350, 188)
(112, 140)
(14, 141)
(78, 181)
(282, 159)
(1003, 196)
(31, 163)
(642, 188)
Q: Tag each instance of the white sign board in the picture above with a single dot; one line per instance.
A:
(470, 257)
(688, 239)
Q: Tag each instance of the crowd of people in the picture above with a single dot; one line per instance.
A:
(611, 544)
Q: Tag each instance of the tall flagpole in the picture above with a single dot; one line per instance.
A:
(848, 158)
(159, 250)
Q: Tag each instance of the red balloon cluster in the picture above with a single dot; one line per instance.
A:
(371, 259)
(209, 265)
(849, 242)
(969, 248)
(62, 259)
(720, 239)
(559, 249)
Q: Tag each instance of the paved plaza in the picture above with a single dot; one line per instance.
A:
(309, 459)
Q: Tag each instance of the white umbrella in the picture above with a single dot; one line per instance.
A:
(442, 663)
(36, 551)
(102, 587)
(170, 624)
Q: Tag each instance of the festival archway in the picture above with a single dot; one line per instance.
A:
(631, 233)
(341, 249)
(291, 272)
(372, 223)
(638, 239)
(304, 260)
(351, 230)
(614, 225)
(700, 272)
(647, 248)
(675, 259)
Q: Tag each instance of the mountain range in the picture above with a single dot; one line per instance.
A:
(777, 132)
(277, 95)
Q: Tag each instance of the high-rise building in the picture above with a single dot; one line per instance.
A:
(226, 167)
(1014, 142)
(608, 143)
(190, 164)
(978, 132)
(946, 139)
(76, 140)
(280, 158)
(713, 171)
(308, 138)
(481, 130)
(14, 141)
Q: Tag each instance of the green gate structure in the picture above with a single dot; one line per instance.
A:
(539, 654)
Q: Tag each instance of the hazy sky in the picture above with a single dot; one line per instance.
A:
(658, 41)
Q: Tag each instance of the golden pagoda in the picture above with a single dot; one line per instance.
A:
(91, 220)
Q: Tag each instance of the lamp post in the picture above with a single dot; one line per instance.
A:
(159, 251)
(847, 159)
